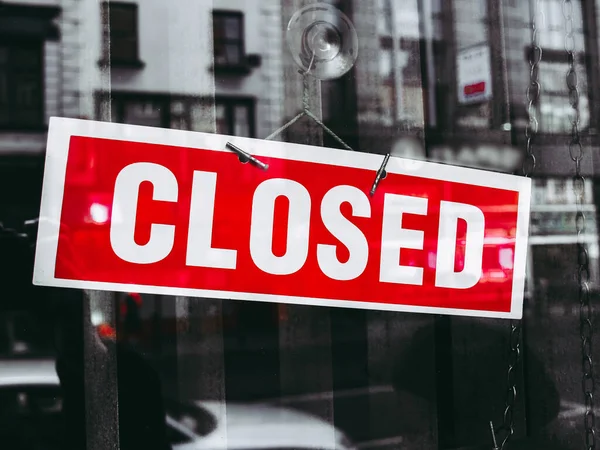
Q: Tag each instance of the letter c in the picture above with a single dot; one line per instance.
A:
(125, 202)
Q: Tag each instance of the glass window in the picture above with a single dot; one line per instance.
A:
(552, 35)
(21, 94)
(228, 38)
(554, 105)
(142, 113)
(235, 117)
(221, 119)
(123, 19)
(180, 115)
(241, 121)
(153, 110)
(434, 80)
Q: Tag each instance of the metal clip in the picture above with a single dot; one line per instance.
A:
(245, 157)
(494, 436)
(381, 173)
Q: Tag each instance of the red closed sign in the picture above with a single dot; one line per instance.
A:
(175, 212)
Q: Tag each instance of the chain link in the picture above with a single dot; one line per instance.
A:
(508, 425)
(582, 274)
(533, 89)
(533, 92)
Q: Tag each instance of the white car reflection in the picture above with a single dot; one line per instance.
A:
(32, 385)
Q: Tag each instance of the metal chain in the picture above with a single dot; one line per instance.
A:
(534, 89)
(583, 270)
(533, 94)
(511, 379)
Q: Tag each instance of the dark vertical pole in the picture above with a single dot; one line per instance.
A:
(101, 380)
(100, 377)
(427, 60)
(500, 100)
(444, 385)
(444, 375)
(448, 96)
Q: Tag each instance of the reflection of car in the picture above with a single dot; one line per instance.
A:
(30, 403)
(214, 425)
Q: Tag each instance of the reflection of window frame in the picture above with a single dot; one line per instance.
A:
(14, 77)
(412, 75)
(230, 103)
(553, 36)
(117, 36)
(163, 102)
(223, 42)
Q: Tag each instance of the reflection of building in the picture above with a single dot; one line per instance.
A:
(167, 73)
(222, 66)
(455, 75)
(410, 79)
(31, 90)
(553, 254)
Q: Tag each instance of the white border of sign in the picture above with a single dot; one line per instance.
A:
(61, 130)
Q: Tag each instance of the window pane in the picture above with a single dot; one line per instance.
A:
(123, 19)
(221, 120)
(386, 100)
(124, 49)
(218, 28)
(123, 33)
(220, 54)
(143, 113)
(24, 59)
(385, 63)
(26, 93)
(227, 54)
(233, 54)
(27, 100)
(242, 121)
(21, 95)
(228, 39)
(232, 27)
(114, 112)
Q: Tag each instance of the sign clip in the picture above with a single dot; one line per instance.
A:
(245, 157)
(381, 174)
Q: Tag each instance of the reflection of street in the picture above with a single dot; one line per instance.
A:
(382, 433)
(378, 416)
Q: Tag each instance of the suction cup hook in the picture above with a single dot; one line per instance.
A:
(322, 41)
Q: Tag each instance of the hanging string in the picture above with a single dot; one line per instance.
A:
(582, 274)
(307, 112)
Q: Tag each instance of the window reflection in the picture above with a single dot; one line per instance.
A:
(235, 116)
(223, 67)
(555, 109)
(21, 80)
(228, 38)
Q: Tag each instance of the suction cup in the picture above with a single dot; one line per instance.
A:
(322, 41)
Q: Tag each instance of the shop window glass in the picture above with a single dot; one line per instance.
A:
(253, 375)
